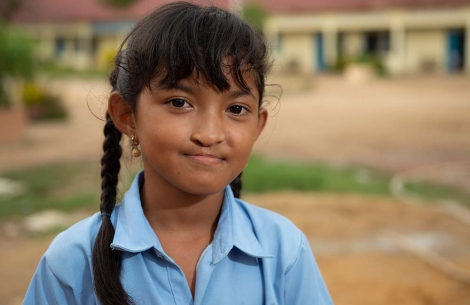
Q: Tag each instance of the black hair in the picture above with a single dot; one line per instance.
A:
(170, 44)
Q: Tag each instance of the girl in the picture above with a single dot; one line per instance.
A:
(187, 90)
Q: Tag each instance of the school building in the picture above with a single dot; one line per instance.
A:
(407, 36)
(82, 34)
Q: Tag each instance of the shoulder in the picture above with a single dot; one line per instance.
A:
(276, 233)
(264, 218)
(72, 248)
(64, 274)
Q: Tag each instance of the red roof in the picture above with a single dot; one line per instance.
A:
(309, 6)
(96, 10)
(89, 10)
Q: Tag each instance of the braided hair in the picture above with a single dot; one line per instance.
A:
(170, 43)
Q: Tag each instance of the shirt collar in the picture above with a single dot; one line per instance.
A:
(235, 229)
(133, 232)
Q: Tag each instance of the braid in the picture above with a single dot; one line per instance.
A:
(106, 261)
(236, 185)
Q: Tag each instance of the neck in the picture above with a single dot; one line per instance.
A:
(170, 210)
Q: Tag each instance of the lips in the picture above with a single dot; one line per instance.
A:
(205, 159)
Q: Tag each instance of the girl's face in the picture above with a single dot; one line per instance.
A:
(195, 138)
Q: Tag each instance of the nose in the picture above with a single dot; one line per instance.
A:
(208, 130)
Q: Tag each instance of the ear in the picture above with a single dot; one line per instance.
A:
(262, 119)
(121, 113)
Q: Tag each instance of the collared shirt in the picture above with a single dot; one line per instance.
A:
(256, 257)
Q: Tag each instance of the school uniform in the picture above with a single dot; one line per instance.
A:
(256, 257)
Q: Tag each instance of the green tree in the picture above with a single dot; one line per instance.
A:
(255, 15)
(119, 3)
(16, 53)
(7, 8)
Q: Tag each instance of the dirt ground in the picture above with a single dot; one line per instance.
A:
(371, 250)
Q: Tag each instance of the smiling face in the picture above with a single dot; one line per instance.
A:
(194, 138)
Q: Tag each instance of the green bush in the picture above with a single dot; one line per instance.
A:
(255, 15)
(33, 95)
(16, 58)
(375, 62)
(119, 3)
(341, 63)
(16, 53)
(366, 59)
(4, 100)
(42, 105)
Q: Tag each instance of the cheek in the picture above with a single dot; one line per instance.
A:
(161, 130)
(243, 141)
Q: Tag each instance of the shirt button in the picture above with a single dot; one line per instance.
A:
(159, 254)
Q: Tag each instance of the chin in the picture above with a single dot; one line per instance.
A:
(206, 191)
(203, 189)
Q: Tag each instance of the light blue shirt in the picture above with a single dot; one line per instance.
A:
(256, 257)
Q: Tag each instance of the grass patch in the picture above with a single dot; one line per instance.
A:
(263, 176)
(65, 187)
(432, 192)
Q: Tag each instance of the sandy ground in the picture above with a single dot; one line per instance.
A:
(371, 250)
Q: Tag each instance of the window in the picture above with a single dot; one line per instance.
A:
(59, 46)
(377, 43)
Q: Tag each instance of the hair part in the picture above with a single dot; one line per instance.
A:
(169, 45)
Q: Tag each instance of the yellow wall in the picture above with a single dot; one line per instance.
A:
(415, 35)
(73, 33)
(297, 48)
(425, 50)
(353, 44)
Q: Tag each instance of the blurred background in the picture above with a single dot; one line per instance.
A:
(367, 148)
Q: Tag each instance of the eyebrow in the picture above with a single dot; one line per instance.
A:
(184, 88)
(241, 93)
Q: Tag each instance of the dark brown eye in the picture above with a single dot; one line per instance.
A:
(236, 109)
(178, 103)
